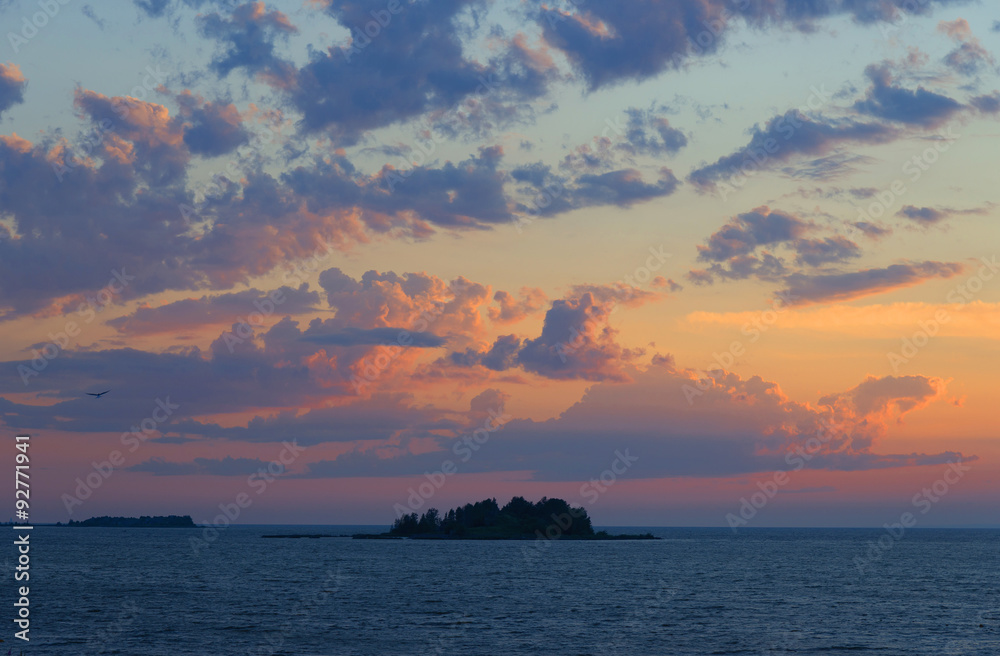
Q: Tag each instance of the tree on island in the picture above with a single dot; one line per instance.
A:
(519, 518)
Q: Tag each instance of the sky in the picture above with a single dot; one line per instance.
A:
(686, 263)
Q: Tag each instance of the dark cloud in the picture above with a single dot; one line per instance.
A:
(647, 133)
(969, 56)
(871, 230)
(922, 215)
(787, 136)
(12, 86)
(248, 37)
(623, 188)
(576, 343)
(827, 168)
(817, 252)
(610, 42)
(158, 152)
(987, 104)
(467, 194)
(746, 232)
(414, 64)
(89, 12)
(886, 101)
(212, 128)
(827, 288)
(398, 64)
(551, 194)
(152, 8)
(500, 357)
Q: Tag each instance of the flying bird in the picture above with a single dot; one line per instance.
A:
(98, 395)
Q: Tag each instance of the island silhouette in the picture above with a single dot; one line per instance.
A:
(146, 521)
(520, 519)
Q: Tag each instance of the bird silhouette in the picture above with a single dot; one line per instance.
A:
(98, 395)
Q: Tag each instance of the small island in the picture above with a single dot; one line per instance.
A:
(169, 521)
(485, 520)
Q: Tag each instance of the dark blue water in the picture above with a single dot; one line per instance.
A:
(700, 591)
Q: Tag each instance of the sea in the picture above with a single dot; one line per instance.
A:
(823, 592)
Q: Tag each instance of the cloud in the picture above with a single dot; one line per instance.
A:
(623, 188)
(551, 194)
(871, 230)
(12, 86)
(923, 215)
(928, 216)
(734, 250)
(282, 366)
(734, 426)
(969, 57)
(511, 310)
(921, 107)
(577, 342)
(649, 134)
(248, 39)
(467, 194)
(388, 419)
(89, 12)
(987, 104)
(825, 288)
(227, 466)
(817, 252)
(503, 355)
(787, 136)
(610, 42)
(411, 63)
(387, 335)
(220, 309)
(212, 129)
(747, 231)
(886, 397)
